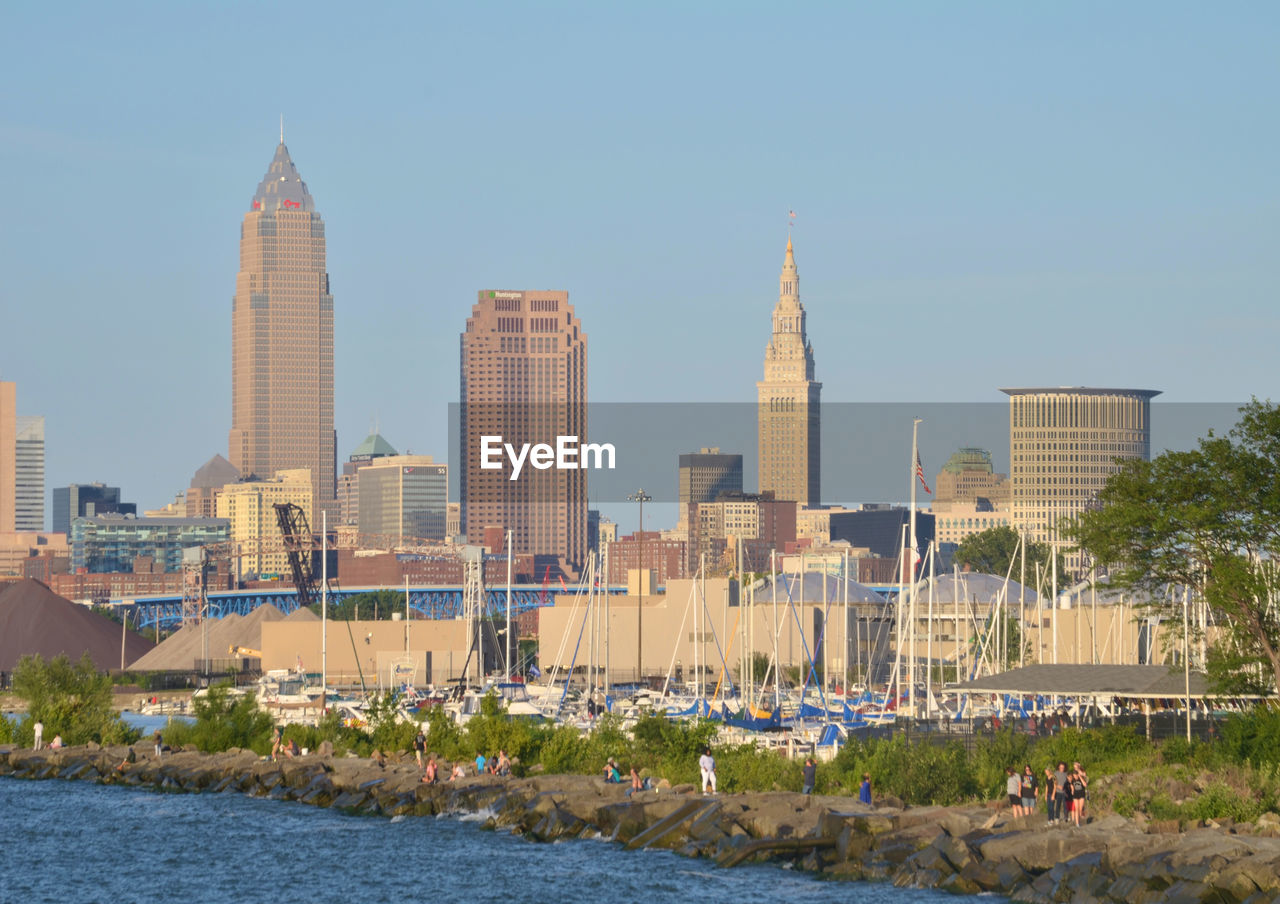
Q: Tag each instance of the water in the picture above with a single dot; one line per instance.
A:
(75, 841)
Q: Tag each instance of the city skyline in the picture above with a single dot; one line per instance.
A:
(1031, 199)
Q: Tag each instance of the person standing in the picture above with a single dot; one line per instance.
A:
(1049, 799)
(1013, 788)
(38, 730)
(1028, 791)
(159, 742)
(1060, 793)
(1076, 790)
(810, 773)
(1084, 780)
(707, 764)
(419, 745)
(864, 790)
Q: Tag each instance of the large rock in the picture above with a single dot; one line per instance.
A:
(1041, 850)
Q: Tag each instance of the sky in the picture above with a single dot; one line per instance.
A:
(987, 195)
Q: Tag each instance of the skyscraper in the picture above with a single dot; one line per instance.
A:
(403, 496)
(282, 338)
(524, 378)
(8, 450)
(788, 416)
(703, 476)
(29, 470)
(1064, 443)
(84, 500)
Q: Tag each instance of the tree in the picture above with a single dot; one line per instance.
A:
(1209, 519)
(72, 699)
(376, 604)
(991, 551)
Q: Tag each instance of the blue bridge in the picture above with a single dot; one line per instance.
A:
(424, 602)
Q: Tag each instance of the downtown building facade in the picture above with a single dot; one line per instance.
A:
(28, 514)
(112, 543)
(282, 338)
(8, 453)
(374, 446)
(523, 379)
(1064, 442)
(969, 496)
(788, 414)
(404, 496)
(84, 500)
(249, 508)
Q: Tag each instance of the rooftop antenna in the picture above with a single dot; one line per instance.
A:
(282, 128)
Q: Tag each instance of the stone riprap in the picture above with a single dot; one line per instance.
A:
(960, 849)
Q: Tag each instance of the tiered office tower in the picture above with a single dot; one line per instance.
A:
(1063, 445)
(282, 338)
(524, 378)
(788, 417)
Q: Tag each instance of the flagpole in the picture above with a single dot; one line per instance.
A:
(911, 560)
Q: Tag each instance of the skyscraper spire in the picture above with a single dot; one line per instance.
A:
(788, 418)
(282, 137)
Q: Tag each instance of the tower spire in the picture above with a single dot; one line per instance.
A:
(282, 137)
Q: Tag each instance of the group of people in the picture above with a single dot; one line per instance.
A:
(613, 776)
(278, 745)
(1065, 791)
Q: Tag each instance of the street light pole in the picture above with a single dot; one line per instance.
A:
(641, 497)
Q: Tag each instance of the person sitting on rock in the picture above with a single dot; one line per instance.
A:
(503, 766)
(458, 772)
(56, 743)
(129, 759)
(611, 773)
(430, 775)
(637, 783)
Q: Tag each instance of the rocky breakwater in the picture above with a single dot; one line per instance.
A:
(958, 849)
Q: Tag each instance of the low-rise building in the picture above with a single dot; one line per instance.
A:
(111, 543)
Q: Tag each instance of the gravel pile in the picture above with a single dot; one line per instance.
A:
(35, 620)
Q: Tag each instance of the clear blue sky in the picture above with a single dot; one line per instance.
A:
(988, 194)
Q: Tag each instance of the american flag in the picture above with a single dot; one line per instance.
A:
(920, 474)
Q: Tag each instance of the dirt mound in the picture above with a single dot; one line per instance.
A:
(35, 620)
(181, 650)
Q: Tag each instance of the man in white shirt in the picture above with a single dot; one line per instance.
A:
(707, 764)
(38, 729)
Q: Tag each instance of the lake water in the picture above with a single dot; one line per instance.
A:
(79, 842)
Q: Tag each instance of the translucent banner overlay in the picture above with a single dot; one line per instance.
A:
(865, 447)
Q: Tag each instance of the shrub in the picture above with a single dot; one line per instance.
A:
(919, 774)
(746, 767)
(223, 721)
(1253, 736)
(71, 699)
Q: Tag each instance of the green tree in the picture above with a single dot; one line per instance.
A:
(376, 604)
(1208, 518)
(992, 551)
(72, 699)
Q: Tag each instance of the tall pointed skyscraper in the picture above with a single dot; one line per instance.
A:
(788, 417)
(282, 338)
